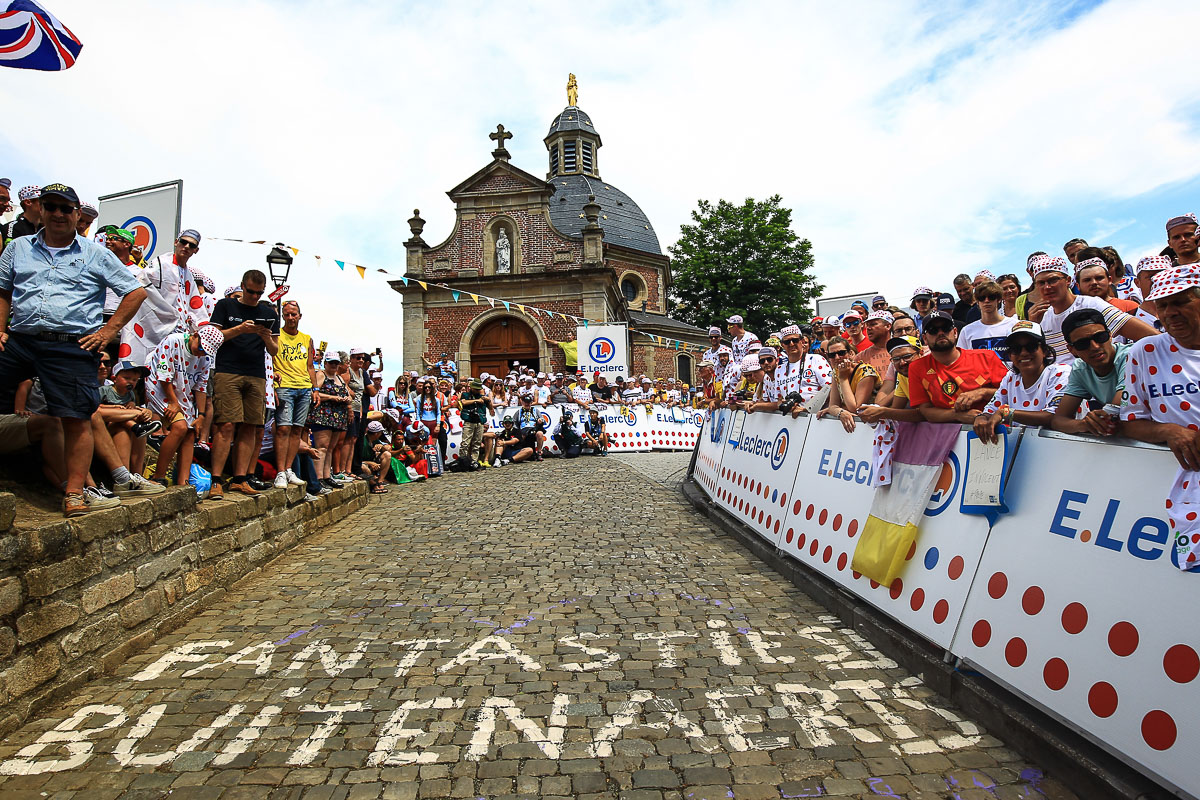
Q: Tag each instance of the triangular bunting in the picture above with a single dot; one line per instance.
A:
(424, 285)
(341, 264)
(404, 278)
(259, 242)
(295, 250)
(474, 297)
(492, 300)
(506, 306)
(362, 271)
(455, 295)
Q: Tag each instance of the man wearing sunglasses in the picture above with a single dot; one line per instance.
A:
(173, 295)
(714, 343)
(852, 321)
(950, 384)
(57, 279)
(1097, 375)
(742, 340)
(1051, 277)
(251, 329)
(1164, 389)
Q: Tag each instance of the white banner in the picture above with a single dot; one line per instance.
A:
(604, 349)
(151, 213)
(1078, 607)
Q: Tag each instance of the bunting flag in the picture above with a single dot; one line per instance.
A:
(424, 285)
(295, 250)
(341, 264)
(455, 294)
(506, 306)
(362, 271)
(474, 297)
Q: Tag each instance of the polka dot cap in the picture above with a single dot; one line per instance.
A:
(1173, 281)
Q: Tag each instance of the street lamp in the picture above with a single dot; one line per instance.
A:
(279, 262)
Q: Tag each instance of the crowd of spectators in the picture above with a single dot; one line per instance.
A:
(1084, 344)
(128, 374)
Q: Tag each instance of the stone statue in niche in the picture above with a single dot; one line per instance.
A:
(503, 253)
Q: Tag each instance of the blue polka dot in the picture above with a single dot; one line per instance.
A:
(775, 496)
(453, 445)
(931, 558)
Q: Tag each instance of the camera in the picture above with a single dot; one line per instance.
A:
(790, 402)
(743, 395)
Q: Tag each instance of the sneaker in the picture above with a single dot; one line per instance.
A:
(138, 486)
(216, 492)
(308, 498)
(256, 484)
(75, 505)
(330, 484)
(325, 490)
(97, 497)
(281, 480)
(294, 480)
(341, 479)
(141, 429)
(244, 487)
(484, 465)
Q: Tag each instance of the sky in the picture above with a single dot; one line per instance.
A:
(912, 140)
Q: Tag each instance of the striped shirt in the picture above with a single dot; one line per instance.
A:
(1114, 319)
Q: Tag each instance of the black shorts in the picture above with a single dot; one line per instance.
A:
(68, 372)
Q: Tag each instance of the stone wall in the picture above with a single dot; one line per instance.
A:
(78, 597)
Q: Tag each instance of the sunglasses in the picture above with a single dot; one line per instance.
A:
(1085, 342)
(255, 292)
(57, 208)
(1031, 346)
(988, 299)
(852, 323)
(879, 306)
(937, 329)
(839, 353)
(189, 245)
(767, 359)
(792, 340)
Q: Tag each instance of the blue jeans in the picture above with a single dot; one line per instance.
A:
(291, 407)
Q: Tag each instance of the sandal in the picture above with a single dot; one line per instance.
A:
(379, 489)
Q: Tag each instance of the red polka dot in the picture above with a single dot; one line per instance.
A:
(841, 562)
(1055, 673)
(195, 302)
(981, 633)
(139, 330)
(1158, 730)
(1015, 652)
(808, 512)
(1184, 405)
(1149, 347)
(824, 516)
(124, 350)
(1074, 618)
(852, 528)
(917, 599)
(776, 524)
(1162, 407)
(856, 574)
(896, 589)
(941, 610)
(874, 584)
(796, 507)
(1153, 369)
(1033, 600)
(837, 522)
(998, 585)
(1102, 699)
(791, 532)
(1123, 638)
(955, 569)
(1176, 368)
(1181, 663)
(912, 551)
(812, 547)
(783, 501)
(800, 541)
(827, 554)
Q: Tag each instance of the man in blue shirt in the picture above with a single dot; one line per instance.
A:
(53, 283)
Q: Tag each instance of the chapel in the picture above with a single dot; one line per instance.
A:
(572, 243)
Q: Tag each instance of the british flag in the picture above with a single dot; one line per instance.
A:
(33, 38)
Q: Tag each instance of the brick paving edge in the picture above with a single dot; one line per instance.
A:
(1088, 769)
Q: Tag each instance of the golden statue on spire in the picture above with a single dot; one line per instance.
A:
(572, 90)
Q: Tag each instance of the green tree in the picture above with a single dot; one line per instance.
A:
(743, 259)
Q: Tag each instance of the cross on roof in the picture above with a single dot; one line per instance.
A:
(499, 136)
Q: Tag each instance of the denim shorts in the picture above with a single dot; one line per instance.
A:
(68, 374)
(291, 407)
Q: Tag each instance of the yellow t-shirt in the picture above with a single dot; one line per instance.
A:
(291, 362)
(901, 386)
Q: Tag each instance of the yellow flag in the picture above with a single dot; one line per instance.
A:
(295, 250)
(424, 285)
(474, 297)
(521, 307)
(362, 271)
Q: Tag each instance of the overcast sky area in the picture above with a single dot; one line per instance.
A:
(912, 140)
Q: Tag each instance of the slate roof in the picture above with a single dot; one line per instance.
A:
(623, 222)
(642, 318)
(572, 118)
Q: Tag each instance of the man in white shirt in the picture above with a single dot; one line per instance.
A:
(714, 342)
(990, 331)
(1051, 277)
(743, 340)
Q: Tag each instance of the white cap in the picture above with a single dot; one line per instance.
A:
(541, 374)
(736, 319)
(485, 376)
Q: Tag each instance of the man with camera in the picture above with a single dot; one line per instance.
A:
(529, 422)
(473, 407)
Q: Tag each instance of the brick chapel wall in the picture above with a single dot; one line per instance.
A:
(446, 325)
(649, 275)
(541, 246)
(79, 597)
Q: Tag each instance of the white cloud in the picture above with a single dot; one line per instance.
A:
(912, 141)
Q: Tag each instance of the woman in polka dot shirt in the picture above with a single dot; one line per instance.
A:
(1030, 393)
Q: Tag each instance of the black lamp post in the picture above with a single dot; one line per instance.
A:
(279, 262)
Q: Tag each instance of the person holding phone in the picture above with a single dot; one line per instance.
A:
(251, 329)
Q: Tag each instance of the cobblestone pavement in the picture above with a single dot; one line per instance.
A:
(665, 468)
(564, 629)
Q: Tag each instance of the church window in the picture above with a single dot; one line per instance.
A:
(554, 158)
(587, 156)
(569, 158)
(684, 368)
(629, 288)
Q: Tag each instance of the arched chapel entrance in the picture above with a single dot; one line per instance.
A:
(501, 342)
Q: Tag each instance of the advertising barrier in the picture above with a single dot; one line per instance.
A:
(1071, 599)
(758, 468)
(1078, 607)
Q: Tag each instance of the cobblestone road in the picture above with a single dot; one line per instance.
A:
(565, 629)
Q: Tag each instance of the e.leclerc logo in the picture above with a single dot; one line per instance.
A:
(145, 235)
(775, 452)
(629, 417)
(602, 350)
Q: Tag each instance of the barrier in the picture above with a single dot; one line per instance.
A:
(1071, 600)
(758, 467)
(636, 429)
(1078, 607)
